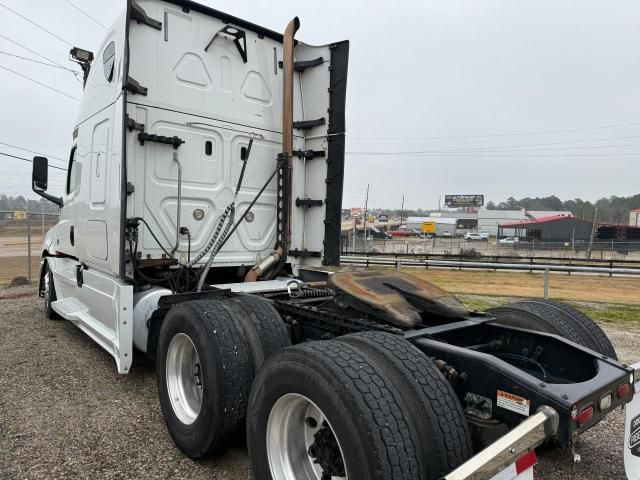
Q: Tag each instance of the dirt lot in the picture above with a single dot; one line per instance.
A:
(66, 413)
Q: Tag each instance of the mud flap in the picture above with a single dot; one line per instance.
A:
(522, 469)
(632, 431)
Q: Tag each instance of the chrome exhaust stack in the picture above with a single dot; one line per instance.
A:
(280, 251)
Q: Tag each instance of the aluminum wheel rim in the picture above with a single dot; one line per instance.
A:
(289, 437)
(184, 378)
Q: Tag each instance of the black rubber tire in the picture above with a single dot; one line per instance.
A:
(546, 316)
(262, 325)
(430, 405)
(598, 340)
(226, 371)
(50, 297)
(358, 398)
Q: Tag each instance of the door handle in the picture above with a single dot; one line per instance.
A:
(98, 164)
(72, 236)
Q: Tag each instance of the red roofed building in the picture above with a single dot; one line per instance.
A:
(553, 228)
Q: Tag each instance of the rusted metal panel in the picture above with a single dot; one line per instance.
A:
(396, 297)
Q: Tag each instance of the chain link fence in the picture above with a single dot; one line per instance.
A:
(21, 235)
(454, 246)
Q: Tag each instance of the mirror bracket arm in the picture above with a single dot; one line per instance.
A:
(51, 198)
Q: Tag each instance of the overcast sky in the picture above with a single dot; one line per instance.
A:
(533, 97)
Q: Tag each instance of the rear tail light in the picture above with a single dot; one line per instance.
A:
(623, 390)
(585, 415)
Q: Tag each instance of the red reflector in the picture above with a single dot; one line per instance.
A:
(526, 462)
(585, 415)
(623, 390)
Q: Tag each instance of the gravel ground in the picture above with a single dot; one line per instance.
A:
(66, 413)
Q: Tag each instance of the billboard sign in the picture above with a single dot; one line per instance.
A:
(356, 211)
(454, 201)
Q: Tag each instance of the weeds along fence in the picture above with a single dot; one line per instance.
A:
(21, 235)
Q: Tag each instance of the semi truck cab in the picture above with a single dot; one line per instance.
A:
(201, 212)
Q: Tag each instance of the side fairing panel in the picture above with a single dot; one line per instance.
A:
(321, 95)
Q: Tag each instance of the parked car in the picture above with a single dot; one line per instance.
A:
(445, 233)
(383, 218)
(508, 240)
(475, 236)
(400, 233)
(376, 233)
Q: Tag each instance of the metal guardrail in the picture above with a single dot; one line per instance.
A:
(525, 267)
(499, 258)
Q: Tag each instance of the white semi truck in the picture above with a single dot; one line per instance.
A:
(202, 203)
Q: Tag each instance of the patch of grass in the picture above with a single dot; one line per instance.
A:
(617, 314)
(11, 267)
(583, 288)
(480, 303)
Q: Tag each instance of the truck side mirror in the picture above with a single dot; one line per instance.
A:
(40, 179)
(40, 173)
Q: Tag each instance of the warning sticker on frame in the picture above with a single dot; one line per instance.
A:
(512, 402)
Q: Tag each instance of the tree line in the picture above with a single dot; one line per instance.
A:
(19, 203)
(610, 210)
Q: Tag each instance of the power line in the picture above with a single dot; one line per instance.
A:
(487, 154)
(29, 160)
(573, 142)
(29, 50)
(31, 151)
(472, 151)
(36, 25)
(542, 132)
(86, 14)
(552, 143)
(38, 61)
(39, 83)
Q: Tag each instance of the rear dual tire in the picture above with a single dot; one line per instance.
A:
(208, 353)
(363, 406)
(557, 318)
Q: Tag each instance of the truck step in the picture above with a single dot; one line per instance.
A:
(70, 307)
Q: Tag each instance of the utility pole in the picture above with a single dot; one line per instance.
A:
(593, 233)
(402, 211)
(366, 204)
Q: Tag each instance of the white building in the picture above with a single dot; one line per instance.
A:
(634, 217)
(443, 224)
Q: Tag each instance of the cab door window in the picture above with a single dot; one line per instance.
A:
(108, 61)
